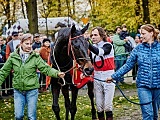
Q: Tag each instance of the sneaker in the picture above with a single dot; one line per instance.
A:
(133, 81)
(122, 82)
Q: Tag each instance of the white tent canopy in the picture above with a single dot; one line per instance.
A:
(22, 24)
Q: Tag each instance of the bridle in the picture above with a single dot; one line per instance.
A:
(70, 48)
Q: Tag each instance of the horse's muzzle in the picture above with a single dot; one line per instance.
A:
(88, 71)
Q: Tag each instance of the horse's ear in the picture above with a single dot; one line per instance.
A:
(85, 28)
(73, 29)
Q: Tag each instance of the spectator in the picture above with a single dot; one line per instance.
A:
(11, 45)
(135, 68)
(119, 51)
(45, 49)
(2, 60)
(147, 56)
(44, 53)
(36, 47)
(24, 62)
(124, 35)
(102, 56)
(37, 42)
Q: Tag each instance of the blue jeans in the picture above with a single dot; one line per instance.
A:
(21, 99)
(119, 62)
(149, 111)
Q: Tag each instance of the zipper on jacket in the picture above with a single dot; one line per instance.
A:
(151, 63)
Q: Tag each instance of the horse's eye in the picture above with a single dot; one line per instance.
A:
(75, 41)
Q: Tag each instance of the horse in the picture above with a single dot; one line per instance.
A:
(70, 46)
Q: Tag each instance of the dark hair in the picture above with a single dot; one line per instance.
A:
(150, 28)
(117, 28)
(46, 39)
(101, 31)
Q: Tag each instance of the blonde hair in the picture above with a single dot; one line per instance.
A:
(151, 28)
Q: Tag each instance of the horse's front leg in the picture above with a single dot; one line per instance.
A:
(55, 96)
(65, 92)
(73, 107)
(91, 97)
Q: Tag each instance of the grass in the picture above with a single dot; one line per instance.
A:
(44, 110)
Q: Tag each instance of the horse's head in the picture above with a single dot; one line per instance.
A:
(79, 49)
(61, 25)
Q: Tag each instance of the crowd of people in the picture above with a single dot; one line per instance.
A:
(112, 57)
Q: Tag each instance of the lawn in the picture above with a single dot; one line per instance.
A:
(44, 110)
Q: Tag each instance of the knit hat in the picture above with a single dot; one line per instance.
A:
(45, 39)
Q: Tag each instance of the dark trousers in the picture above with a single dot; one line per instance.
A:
(134, 71)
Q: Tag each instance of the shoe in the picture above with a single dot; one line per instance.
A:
(133, 81)
(4, 94)
(10, 92)
(122, 82)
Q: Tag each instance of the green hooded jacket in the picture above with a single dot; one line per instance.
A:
(24, 74)
(118, 45)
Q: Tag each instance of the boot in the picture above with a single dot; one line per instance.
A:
(101, 115)
(109, 115)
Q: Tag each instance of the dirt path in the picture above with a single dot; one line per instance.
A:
(127, 113)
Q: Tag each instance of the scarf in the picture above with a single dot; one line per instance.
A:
(24, 55)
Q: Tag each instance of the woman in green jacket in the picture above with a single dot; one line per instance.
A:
(24, 62)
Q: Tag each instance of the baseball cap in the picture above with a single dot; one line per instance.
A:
(14, 33)
(36, 35)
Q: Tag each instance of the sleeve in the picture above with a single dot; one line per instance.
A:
(106, 49)
(5, 70)
(45, 68)
(130, 63)
(3, 51)
(7, 51)
(118, 41)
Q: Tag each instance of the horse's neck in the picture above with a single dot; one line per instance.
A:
(62, 58)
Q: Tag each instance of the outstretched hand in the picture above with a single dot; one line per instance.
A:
(109, 80)
(61, 74)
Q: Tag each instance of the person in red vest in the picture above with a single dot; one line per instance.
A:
(102, 56)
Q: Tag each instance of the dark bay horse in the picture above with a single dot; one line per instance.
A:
(70, 45)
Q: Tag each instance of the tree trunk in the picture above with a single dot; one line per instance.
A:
(137, 8)
(59, 8)
(23, 9)
(8, 13)
(74, 8)
(146, 17)
(31, 7)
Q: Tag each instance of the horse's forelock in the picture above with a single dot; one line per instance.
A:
(64, 33)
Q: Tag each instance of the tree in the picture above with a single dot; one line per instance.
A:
(31, 7)
(146, 17)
